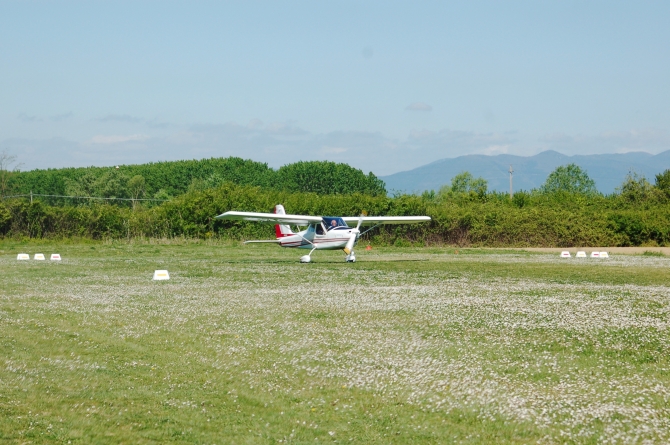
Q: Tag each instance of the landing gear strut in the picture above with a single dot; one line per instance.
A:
(307, 258)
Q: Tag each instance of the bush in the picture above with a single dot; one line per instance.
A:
(533, 219)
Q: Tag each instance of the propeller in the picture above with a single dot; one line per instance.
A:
(350, 244)
(349, 247)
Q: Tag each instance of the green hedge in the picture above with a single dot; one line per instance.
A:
(495, 221)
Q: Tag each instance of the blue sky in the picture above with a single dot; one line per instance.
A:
(384, 86)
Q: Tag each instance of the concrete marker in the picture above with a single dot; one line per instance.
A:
(161, 275)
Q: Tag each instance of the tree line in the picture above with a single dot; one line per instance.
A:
(461, 218)
(567, 180)
(165, 180)
(566, 211)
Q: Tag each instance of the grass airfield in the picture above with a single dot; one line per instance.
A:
(407, 345)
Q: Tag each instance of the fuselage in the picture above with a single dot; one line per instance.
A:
(332, 234)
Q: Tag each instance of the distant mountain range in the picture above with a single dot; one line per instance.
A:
(607, 170)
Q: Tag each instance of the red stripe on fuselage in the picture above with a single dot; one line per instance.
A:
(305, 242)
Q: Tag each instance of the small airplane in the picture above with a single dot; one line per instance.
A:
(322, 233)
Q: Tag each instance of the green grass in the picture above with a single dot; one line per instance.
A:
(407, 345)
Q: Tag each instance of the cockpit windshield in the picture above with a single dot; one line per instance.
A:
(333, 222)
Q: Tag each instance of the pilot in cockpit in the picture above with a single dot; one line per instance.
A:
(333, 224)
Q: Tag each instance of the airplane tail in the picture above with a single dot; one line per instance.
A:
(282, 230)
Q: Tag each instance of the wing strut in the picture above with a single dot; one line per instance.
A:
(373, 227)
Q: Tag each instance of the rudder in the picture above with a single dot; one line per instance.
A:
(282, 230)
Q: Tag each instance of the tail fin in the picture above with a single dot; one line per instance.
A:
(282, 230)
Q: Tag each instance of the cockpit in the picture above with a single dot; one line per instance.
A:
(334, 222)
(330, 223)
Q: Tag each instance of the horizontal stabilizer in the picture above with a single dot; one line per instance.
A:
(262, 241)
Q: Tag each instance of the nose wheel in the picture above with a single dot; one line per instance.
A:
(351, 258)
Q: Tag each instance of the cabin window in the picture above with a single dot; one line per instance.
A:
(319, 229)
(332, 222)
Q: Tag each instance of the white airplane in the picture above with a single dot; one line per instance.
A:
(322, 233)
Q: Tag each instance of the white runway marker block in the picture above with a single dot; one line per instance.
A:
(39, 257)
(565, 254)
(581, 254)
(161, 275)
(595, 254)
(22, 257)
(604, 255)
(55, 257)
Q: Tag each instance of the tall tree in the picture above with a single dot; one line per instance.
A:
(8, 167)
(326, 178)
(112, 184)
(663, 183)
(137, 187)
(636, 188)
(465, 185)
(571, 179)
(83, 186)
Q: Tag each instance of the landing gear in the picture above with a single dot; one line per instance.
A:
(307, 258)
(351, 258)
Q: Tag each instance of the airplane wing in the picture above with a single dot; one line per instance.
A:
(270, 218)
(375, 220)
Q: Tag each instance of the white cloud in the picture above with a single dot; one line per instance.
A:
(23, 117)
(100, 139)
(496, 150)
(649, 140)
(333, 150)
(128, 119)
(285, 129)
(458, 142)
(121, 118)
(278, 144)
(419, 106)
(61, 117)
(275, 144)
(255, 124)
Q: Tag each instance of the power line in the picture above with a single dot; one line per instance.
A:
(83, 197)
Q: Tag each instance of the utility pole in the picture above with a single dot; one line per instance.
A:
(510, 181)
